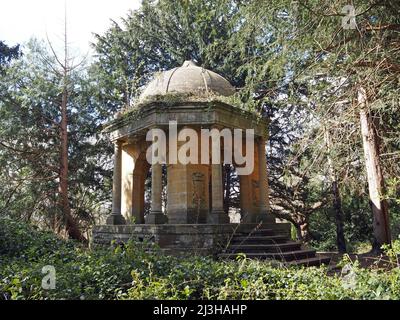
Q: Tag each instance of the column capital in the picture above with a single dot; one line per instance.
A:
(118, 144)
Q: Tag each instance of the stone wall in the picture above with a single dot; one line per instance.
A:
(204, 239)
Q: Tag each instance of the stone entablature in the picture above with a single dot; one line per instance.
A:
(196, 113)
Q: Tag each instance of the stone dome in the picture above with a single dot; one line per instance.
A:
(188, 79)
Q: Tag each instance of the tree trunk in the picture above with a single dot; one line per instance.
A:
(376, 182)
(298, 232)
(337, 206)
(70, 223)
(303, 230)
(337, 200)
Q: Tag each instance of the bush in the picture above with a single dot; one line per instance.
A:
(80, 273)
(199, 278)
(135, 272)
(357, 225)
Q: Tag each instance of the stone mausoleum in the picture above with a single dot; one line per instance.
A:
(186, 212)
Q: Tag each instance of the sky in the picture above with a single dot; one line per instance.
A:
(22, 19)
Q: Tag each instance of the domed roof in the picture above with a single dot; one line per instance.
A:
(189, 79)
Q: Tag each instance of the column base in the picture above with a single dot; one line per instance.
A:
(257, 218)
(218, 217)
(115, 219)
(155, 217)
(265, 217)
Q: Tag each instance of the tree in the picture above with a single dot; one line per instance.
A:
(30, 125)
(361, 56)
(329, 62)
(7, 54)
(65, 68)
(376, 181)
(337, 199)
(298, 193)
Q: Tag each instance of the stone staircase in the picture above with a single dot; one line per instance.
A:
(266, 242)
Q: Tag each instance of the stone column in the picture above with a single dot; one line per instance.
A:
(116, 217)
(217, 215)
(156, 215)
(264, 214)
(138, 197)
(246, 208)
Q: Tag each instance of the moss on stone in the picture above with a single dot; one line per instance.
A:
(169, 100)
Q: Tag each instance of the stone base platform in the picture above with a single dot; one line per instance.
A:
(202, 239)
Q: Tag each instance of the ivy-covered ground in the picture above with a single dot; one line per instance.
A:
(133, 273)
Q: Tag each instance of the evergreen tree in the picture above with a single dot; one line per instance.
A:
(7, 54)
(30, 118)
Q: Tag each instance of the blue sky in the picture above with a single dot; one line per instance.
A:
(22, 19)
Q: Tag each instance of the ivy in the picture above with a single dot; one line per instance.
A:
(141, 271)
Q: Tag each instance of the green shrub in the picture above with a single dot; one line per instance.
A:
(80, 273)
(141, 271)
(198, 278)
(393, 251)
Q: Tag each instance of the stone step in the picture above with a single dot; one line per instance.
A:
(308, 262)
(282, 256)
(258, 239)
(261, 248)
(261, 232)
(276, 228)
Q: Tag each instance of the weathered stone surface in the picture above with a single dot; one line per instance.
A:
(115, 219)
(156, 217)
(188, 78)
(175, 239)
(213, 113)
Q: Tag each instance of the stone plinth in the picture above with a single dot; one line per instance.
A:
(202, 239)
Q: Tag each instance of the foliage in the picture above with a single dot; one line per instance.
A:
(7, 54)
(159, 36)
(316, 67)
(393, 196)
(80, 273)
(357, 221)
(135, 272)
(30, 97)
(393, 251)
